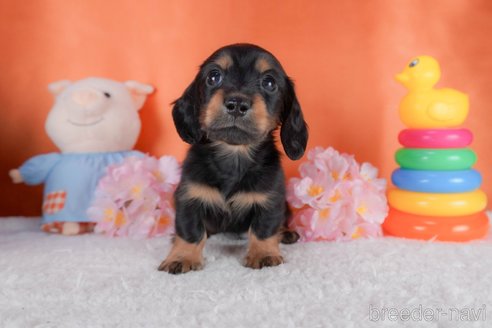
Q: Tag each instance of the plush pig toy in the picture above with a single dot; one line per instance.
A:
(94, 122)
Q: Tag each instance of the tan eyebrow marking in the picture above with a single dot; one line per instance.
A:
(224, 61)
(262, 65)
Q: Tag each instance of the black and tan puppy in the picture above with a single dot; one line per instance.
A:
(232, 178)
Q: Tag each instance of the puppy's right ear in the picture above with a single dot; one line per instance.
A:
(186, 112)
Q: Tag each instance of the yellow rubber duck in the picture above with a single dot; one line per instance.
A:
(424, 106)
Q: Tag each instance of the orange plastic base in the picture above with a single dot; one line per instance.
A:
(458, 228)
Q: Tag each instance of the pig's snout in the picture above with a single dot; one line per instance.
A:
(87, 106)
(88, 99)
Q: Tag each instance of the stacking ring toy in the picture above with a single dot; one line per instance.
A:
(458, 228)
(456, 204)
(435, 159)
(437, 181)
(435, 138)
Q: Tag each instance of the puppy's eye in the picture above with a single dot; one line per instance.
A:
(107, 95)
(214, 78)
(269, 84)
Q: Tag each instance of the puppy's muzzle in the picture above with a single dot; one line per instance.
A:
(237, 106)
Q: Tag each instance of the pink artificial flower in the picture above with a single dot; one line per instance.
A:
(170, 170)
(108, 218)
(321, 179)
(308, 192)
(134, 198)
(292, 197)
(368, 230)
(337, 199)
(301, 222)
(368, 203)
(370, 174)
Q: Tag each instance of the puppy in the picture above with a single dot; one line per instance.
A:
(232, 179)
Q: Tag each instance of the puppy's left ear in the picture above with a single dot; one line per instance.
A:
(294, 132)
(185, 114)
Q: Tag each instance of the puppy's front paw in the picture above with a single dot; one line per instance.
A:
(184, 256)
(180, 266)
(259, 261)
(289, 237)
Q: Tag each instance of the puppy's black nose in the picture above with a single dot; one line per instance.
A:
(237, 106)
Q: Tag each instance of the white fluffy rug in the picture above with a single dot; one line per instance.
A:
(94, 281)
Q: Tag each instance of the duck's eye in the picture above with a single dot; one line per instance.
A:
(214, 78)
(413, 63)
(107, 95)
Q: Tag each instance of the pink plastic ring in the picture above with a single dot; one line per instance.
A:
(435, 138)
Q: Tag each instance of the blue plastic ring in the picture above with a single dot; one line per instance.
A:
(436, 181)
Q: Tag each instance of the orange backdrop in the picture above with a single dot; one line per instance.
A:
(342, 54)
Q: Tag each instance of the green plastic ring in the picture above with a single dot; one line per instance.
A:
(436, 159)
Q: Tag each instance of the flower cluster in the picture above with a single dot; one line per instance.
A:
(135, 197)
(336, 198)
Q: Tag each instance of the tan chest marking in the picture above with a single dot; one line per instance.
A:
(205, 194)
(239, 202)
(242, 201)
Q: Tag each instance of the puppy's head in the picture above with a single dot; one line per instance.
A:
(239, 96)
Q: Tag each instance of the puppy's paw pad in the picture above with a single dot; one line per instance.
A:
(179, 266)
(258, 262)
(269, 261)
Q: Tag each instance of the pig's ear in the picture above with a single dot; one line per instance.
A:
(57, 87)
(139, 92)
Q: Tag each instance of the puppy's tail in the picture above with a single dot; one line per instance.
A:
(288, 236)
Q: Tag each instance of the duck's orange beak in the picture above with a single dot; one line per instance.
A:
(402, 78)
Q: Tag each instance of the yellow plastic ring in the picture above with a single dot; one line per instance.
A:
(431, 204)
